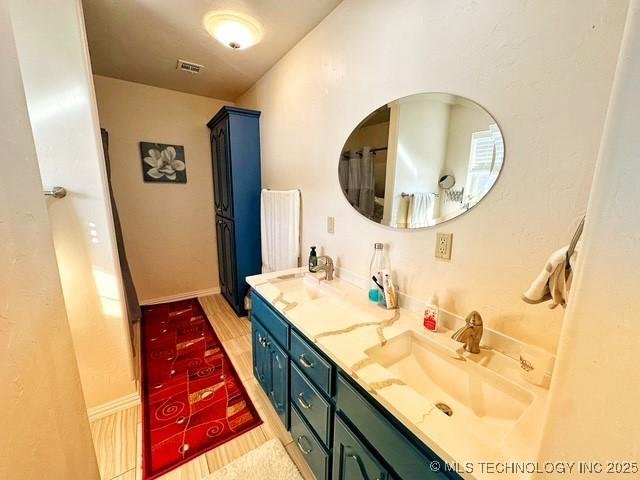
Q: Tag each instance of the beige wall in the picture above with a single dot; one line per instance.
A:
(168, 229)
(43, 424)
(465, 120)
(594, 397)
(60, 98)
(544, 71)
(418, 148)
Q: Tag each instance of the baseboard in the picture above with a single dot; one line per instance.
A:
(113, 406)
(181, 296)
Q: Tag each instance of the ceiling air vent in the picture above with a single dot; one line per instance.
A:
(188, 66)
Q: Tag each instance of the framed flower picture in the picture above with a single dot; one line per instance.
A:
(163, 163)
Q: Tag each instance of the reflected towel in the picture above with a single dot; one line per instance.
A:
(420, 213)
(399, 219)
(280, 229)
(554, 282)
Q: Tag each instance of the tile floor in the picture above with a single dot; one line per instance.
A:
(117, 438)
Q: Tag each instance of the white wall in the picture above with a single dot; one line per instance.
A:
(419, 145)
(594, 396)
(543, 69)
(43, 424)
(465, 119)
(169, 230)
(53, 56)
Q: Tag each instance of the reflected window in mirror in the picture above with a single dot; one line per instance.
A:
(421, 160)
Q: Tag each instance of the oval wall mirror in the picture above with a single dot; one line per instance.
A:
(421, 160)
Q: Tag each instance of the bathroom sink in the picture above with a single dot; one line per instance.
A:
(299, 288)
(475, 398)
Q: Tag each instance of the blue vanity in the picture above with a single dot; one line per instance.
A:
(343, 432)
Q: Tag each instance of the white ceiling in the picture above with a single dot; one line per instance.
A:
(141, 40)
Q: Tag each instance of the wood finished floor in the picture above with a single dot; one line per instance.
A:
(118, 437)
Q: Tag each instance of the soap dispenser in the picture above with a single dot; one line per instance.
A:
(313, 259)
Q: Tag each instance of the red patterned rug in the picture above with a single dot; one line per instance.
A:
(192, 399)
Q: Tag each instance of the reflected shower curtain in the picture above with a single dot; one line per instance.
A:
(131, 297)
(359, 173)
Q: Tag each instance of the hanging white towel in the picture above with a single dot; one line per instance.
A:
(554, 282)
(280, 229)
(420, 213)
(400, 215)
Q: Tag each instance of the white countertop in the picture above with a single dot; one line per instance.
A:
(344, 325)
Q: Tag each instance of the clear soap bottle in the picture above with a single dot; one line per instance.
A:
(379, 263)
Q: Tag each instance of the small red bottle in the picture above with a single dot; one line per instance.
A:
(431, 314)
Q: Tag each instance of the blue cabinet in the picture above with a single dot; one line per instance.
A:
(235, 162)
(406, 457)
(346, 436)
(318, 459)
(261, 356)
(273, 322)
(279, 391)
(351, 459)
(271, 369)
(226, 254)
(312, 363)
(315, 409)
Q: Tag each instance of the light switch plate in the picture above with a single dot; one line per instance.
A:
(443, 245)
(331, 224)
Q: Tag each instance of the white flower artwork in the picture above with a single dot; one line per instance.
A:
(163, 163)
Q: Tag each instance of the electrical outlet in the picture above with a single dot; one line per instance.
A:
(443, 245)
(331, 224)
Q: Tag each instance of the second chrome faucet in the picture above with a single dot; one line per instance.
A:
(471, 333)
(325, 264)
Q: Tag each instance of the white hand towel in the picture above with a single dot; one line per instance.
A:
(554, 282)
(400, 215)
(420, 212)
(280, 229)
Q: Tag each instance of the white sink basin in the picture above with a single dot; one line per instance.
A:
(481, 401)
(299, 288)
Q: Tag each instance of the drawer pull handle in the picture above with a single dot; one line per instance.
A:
(305, 363)
(303, 403)
(306, 451)
(363, 470)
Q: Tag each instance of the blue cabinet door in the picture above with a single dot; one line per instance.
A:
(226, 258)
(279, 392)
(351, 459)
(261, 357)
(271, 369)
(221, 163)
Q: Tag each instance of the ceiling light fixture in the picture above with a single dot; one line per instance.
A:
(233, 30)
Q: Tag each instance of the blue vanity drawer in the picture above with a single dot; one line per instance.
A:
(311, 363)
(276, 326)
(397, 450)
(315, 455)
(315, 409)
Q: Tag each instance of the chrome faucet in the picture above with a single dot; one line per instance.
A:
(325, 264)
(471, 333)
